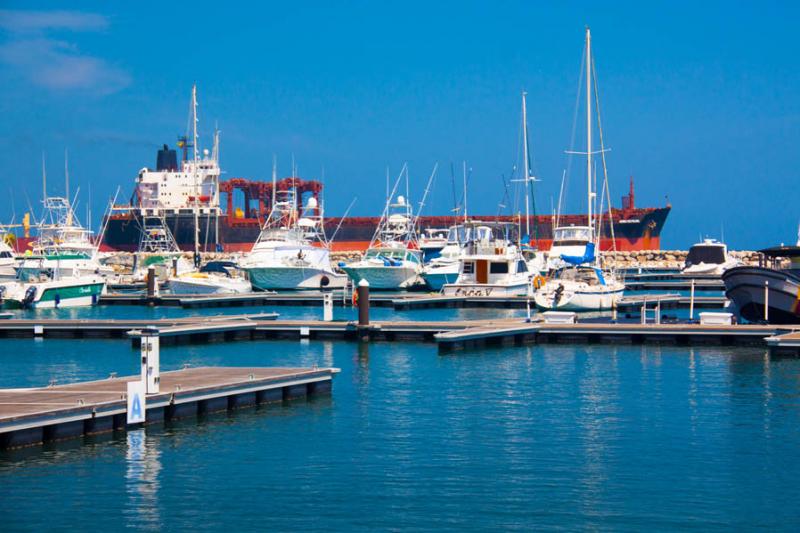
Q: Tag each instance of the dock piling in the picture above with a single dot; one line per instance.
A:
(363, 302)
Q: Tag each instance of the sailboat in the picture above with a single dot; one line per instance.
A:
(578, 283)
(391, 262)
(536, 260)
(217, 280)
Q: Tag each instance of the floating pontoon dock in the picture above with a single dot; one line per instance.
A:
(34, 416)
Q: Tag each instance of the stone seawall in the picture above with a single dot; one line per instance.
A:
(122, 262)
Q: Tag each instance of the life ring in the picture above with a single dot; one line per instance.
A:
(538, 282)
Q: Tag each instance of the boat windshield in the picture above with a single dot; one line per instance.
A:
(571, 234)
(705, 254)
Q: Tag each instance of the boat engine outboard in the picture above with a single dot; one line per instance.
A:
(30, 296)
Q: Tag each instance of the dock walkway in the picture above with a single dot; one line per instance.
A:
(37, 415)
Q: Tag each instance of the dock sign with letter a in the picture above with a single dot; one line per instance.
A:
(136, 402)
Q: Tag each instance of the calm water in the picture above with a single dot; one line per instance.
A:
(545, 437)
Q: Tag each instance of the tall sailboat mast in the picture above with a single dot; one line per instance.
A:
(525, 164)
(590, 195)
(196, 177)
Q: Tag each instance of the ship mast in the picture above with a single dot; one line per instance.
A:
(590, 193)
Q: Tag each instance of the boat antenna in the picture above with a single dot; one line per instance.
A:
(465, 189)
(274, 179)
(339, 225)
(424, 197)
(66, 174)
(44, 179)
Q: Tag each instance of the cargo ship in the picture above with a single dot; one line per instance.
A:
(187, 196)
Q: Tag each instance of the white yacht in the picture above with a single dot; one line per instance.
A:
(444, 267)
(291, 252)
(51, 285)
(215, 277)
(709, 257)
(432, 242)
(391, 262)
(491, 264)
(578, 283)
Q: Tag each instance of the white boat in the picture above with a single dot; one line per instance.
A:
(8, 264)
(578, 283)
(291, 251)
(432, 242)
(215, 277)
(491, 264)
(391, 262)
(51, 287)
(444, 267)
(390, 266)
(579, 288)
(709, 257)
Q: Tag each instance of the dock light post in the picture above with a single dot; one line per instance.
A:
(766, 301)
(691, 302)
(327, 299)
(151, 373)
(363, 302)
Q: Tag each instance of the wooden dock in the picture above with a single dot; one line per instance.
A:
(200, 328)
(510, 334)
(33, 416)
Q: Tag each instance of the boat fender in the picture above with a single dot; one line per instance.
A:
(324, 281)
(30, 296)
(57, 299)
(355, 298)
(538, 282)
(341, 264)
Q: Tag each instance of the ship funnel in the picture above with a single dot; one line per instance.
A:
(166, 160)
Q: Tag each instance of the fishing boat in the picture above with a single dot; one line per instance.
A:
(710, 258)
(491, 264)
(51, 285)
(578, 283)
(214, 277)
(291, 251)
(392, 261)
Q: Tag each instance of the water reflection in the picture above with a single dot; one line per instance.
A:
(143, 461)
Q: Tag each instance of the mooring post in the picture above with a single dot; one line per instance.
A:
(151, 373)
(766, 301)
(644, 310)
(151, 282)
(691, 302)
(363, 302)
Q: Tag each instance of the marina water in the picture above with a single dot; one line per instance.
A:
(539, 437)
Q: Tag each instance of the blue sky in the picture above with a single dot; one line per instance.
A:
(699, 99)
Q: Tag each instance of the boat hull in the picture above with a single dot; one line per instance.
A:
(486, 289)
(384, 277)
(65, 295)
(577, 300)
(747, 287)
(200, 286)
(294, 278)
